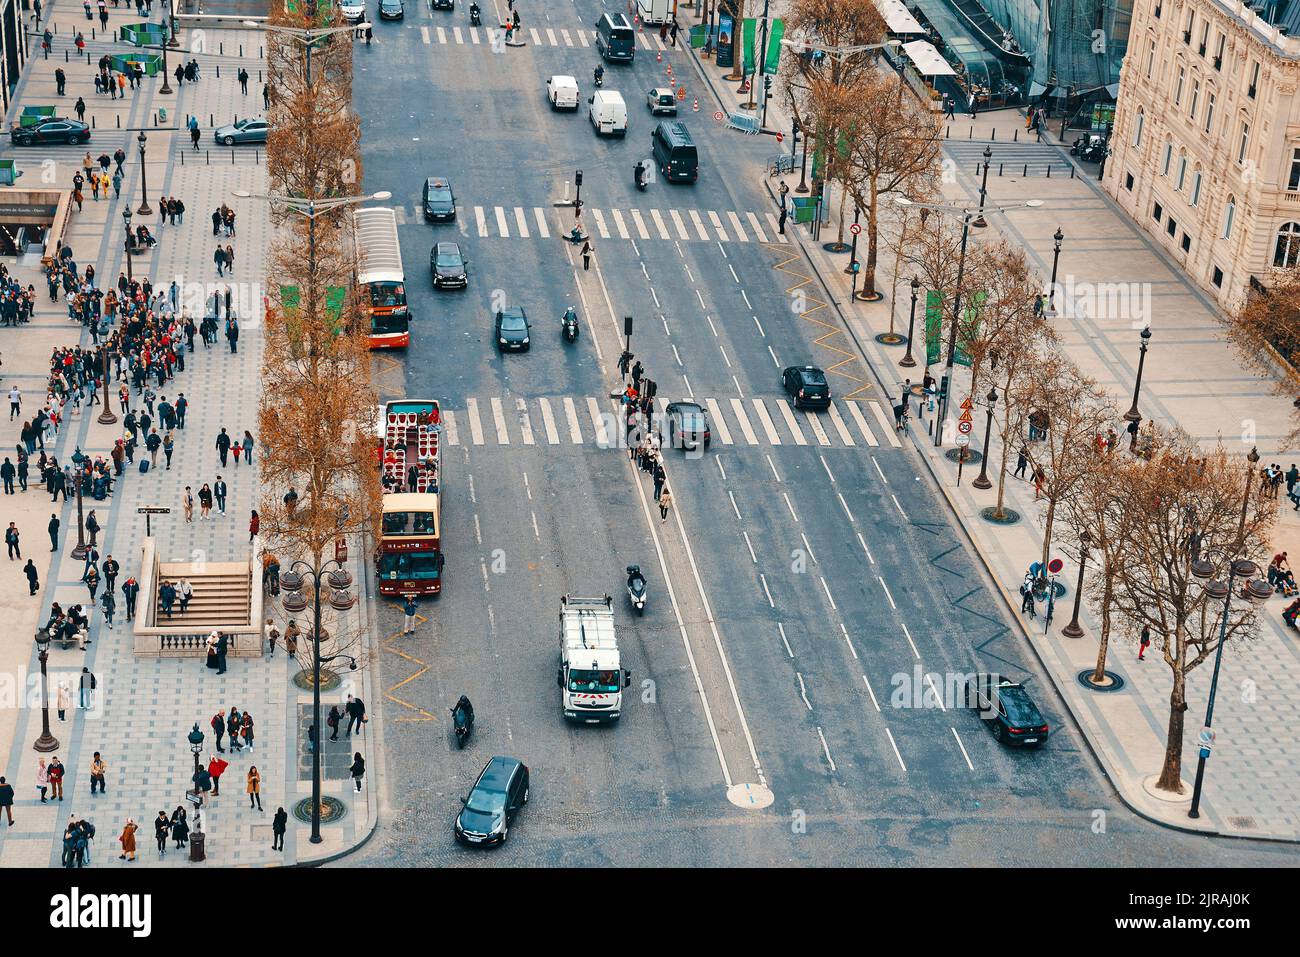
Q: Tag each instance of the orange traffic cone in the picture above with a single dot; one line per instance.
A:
(696, 107)
(659, 57)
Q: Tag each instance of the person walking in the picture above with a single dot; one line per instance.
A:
(223, 648)
(109, 604)
(358, 769)
(127, 840)
(232, 332)
(33, 579)
(665, 503)
(246, 729)
(180, 828)
(278, 824)
(660, 477)
(92, 582)
(218, 724)
(1022, 462)
(86, 688)
(56, 772)
(205, 501)
(42, 778)
(7, 799)
(12, 543)
(219, 492)
(223, 447)
(98, 768)
(333, 720)
(216, 767)
(1144, 642)
(356, 710)
(184, 592)
(161, 828)
(168, 446)
(254, 525)
(62, 700)
(187, 505)
(130, 589)
(243, 81)
(408, 612)
(111, 568)
(233, 722)
(80, 109)
(254, 788)
(54, 532)
(586, 255)
(219, 257)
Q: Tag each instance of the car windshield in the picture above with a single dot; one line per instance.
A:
(405, 565)
(587, 681)
(511, 323)
(441, 195)
(448, 259)
(666, 99)
(387, 294)
(483, 801)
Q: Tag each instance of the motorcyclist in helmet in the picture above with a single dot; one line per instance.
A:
(599, 74)
(635, 580)
(570, 317)
(464, 706)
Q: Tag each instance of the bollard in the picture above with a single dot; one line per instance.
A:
(947, 131)
(971, 134)
(1071, 171)
(221, 49)
(241, 49)
(257, 158)
(1015, 135)
(260, 54)
(207, 157)
(65, 56)
(1026, 171)
(182, 157)
(211, 120)
(977, 170)
(232, 157)
(999, 169)
(92, 121)
(1049, 170)
(119, 121)
(995, 132)
(92, 33)
(259, 76)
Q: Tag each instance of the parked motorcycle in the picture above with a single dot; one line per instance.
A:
(462, 716)
(636, 588)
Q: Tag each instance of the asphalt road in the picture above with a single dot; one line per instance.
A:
(814, 584)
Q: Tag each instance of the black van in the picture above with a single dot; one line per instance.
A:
(674, 152)
(615, 39)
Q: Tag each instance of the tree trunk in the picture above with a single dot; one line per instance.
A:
(998, 511)
(1047, 531)
(844, 199)
(1107, 592)
(873, 225)
(1171, 775)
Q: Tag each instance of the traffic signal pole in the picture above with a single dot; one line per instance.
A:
(760, 65)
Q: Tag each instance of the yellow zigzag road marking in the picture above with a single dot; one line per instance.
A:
(831, 330)
(421, 714)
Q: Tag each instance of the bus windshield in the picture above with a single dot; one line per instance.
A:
(384, 323)
(404, 565)
(410, 523)
(586, 681)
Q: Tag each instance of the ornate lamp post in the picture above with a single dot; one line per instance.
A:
(1056, 259)
(907, 359)
(106, 415)
(145, 209)
(1133, 415)
(982, 481)
(197, 841)
(1074, 629)
(980, 222)
(79, 553)
(46, 742)
(130, 242)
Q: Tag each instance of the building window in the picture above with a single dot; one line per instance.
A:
(1178, 87)
(1151, 59)
(1218, 51)
(1209, 113)
(1245, 142)
(1191, 22)
(1137, 129)
(1218, 278)
(1172, 226)
(1287, 253)
(1196, 98)
(1182, 173)
(1196, 188)
(1168, 158)
(1157, 211)
(1229, 214)
(1128, 182)
(1205, 38)
(1254, 79)
(1187, 243)
(1293, 183)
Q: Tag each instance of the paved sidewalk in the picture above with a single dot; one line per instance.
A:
(1192, 378)
(145, 705)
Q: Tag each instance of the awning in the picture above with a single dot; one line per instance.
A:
(927, 59)
(897, 17)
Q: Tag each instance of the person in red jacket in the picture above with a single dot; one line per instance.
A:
(215, 767)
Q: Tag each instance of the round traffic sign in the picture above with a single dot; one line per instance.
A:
(1207, 738)
(855, 229)
(1055, 565)
(718, 116)
(963, 440)
(780, 137)
(963, 427)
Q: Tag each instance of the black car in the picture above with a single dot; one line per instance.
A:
(688, 425)
(439, 203)
(808, 386)
(511, 329)
(53, 129)
(444, 4)
(448, 267)
(1006, 706)
(391, 10)
(498, 794)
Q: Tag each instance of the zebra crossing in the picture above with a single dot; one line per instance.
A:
(494, 37)
(734, 422)
(684, 225)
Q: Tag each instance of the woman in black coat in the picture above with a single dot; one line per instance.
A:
(357, 770)
(277, 829)
(180, 827)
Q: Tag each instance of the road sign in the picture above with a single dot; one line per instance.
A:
(153, 510)
(963, 440)
(780, 137)
(967, 404)
(965, 418)
(681, 93)
(855, 229)
(719, 116)
(1055, 565)
(1207, 738)
(963, 427)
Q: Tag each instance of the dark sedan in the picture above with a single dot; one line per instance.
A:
(808, 387)
(688, 426)
(54, 129)
(448, 267)
(391, 10)
(1006, 706)
(439, 201)
(511, 329)
(491, 805)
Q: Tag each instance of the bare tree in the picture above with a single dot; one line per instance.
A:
(1267, 326)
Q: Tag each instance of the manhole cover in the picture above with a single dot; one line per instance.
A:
(331, 810)
(753, 797)
(1242, 823)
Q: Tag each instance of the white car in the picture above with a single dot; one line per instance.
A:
(562, 91)
(354, 11)
(662, 101)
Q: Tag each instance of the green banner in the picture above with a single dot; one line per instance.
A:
(776, 31)
(749, 29)
(933, 325)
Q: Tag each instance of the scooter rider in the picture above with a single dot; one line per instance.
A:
(474, 14)
(466, 709)
(638, 171)
(598, 75)
(635, 580)
(570, 322)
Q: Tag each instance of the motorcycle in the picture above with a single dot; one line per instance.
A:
(638, 172)
(598, 76)
(569, 325)
(462, 715)
(474, 19)
(1090, 149)
(636, 588)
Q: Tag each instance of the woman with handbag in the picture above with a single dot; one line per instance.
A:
(254, 788)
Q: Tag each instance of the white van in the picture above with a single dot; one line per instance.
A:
(608, 112)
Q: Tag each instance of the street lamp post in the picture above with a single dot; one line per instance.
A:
(79, 553)
(803, 166)
(980, 221)
(307, 36)
(46, 742)
(907, 359)
(171, 15)
(982, 481)
(1056, 258)
(1133, 415)
(197, 841)
(106, 416)
(145, 209)
(1074, 629)
(129, 244)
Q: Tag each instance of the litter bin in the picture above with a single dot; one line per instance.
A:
(197, 854)
(805, 208)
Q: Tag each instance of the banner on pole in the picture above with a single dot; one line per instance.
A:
(749, 29)
(776, 31)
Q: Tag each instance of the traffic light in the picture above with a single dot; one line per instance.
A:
(577, 178)
(767, 86)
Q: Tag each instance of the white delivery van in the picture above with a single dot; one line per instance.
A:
(563, 92)
(656, 11)
(608, 112)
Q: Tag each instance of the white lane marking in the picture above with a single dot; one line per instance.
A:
(677, 355)
(537, 532)
(442, 35)
(818, 431)
(863, 542)
(599, 219)
(736, 382)
(654, 295)
(700, 297)
(550, 36)
(760, 327)
(845, 505)
(717, 460)
(754, 225)
(790, 422)
(548, 422)
(480, 219)
(719, 423)
(690, 393)
(472, 497)
(598, 423)
(503, 229)
(808, 545)
(763, 579)
(582, 37)
(963, 749)
(540, 215)
(746, 429)
(785, 641)
(789, 505)
(735, 224)
(929, 679)
(879, 470)
(886, 423)
(733, 273)
(887, 594)
(525, 423)
(478, 530)
(586, 311)
(772, 466)
(678, 224)
(827, 588)
(849, 641)
(829, 474)
(826, 748)
(660, 225)
(838, 421)
(750, 546)
(769, 428)
(894, 745)
(424, 34)
(803, 693)
(568, 38)
(521, 221)
(499, 419)
(734, 507)
(908, 635)
(475, 427)
(897, 506)
(855, 410)
(571, 413)
(449, 427)
(528, 489)
(699, 224)
(871, 692)
(458, 36)
(775, 361)
(717, 224)
(724, 356)
(619, 224)
(639, 223)
(745, 296)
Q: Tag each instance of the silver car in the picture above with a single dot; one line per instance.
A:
(245, 131)
(661, 101)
